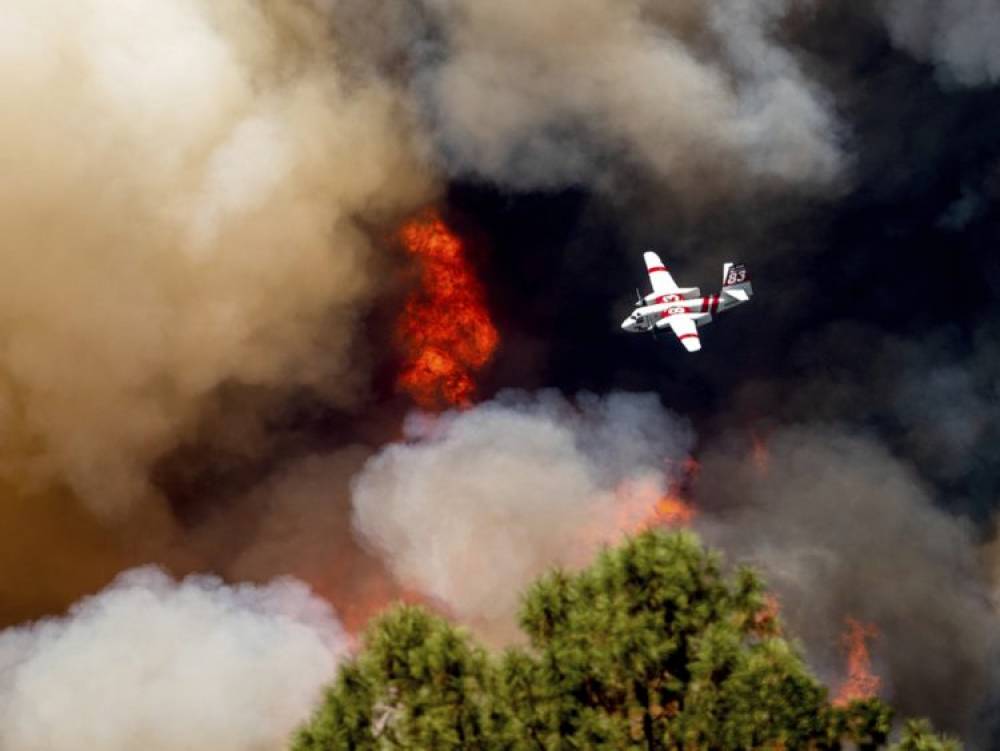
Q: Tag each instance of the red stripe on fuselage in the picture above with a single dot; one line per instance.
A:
(657, 268)
(704, 303)
(688, 336)
(715, 303)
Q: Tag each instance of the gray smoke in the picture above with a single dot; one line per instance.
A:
(474, 505)
(958, 36)
(166, 666)
(703, 96)
(477, 504)
(842, 528)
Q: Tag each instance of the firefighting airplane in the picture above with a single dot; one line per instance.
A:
(683, 309)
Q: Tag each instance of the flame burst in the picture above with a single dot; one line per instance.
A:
(445, 329)
(642, 505)
(861, 683)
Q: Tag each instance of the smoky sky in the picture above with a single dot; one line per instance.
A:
(875, 307)
(873, 323)
(202, 278)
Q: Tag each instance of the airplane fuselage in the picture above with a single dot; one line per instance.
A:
(699, 309)
(684, 310)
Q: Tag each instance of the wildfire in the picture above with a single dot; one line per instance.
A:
(642, 505)
(671, 511)
(445, 329)
(861, 683)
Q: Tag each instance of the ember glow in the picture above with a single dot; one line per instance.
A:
(765, 620)
(445, 330)
(861, 683)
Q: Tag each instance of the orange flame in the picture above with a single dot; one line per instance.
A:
(861, 683)
(671, 511)
(642, 506)
(445, 329)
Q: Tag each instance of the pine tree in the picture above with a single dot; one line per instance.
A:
(653, 646)
(919, 736)
(418, 684)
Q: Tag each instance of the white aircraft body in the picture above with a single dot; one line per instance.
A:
(684, 309)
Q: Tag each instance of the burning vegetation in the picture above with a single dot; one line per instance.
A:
(445, 330)
(861, 682)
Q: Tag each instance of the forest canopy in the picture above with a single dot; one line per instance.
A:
(653, 646)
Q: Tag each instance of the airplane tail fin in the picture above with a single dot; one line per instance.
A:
(736, 282)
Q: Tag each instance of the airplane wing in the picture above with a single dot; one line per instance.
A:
(659, 277)
(685, 330)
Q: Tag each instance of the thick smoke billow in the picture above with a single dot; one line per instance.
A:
(298, 522)
(958, 36)
(181, 184)
(166, 666)
(841, 528)
(702, 96)
(477, 504)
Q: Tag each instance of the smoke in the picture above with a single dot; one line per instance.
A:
(958, 36)
(162, 665)
(298, 522)
(841, 528)
(477, 504)
(190, 195)
(182, 185)
(700, 96)
(474, 505)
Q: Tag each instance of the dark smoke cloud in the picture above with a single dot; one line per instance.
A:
(842, 528)
(700, 96)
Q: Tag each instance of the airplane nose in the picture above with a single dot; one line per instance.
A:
(627, 324)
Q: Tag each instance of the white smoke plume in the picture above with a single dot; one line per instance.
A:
(701, 95)
(477, 504)
(167, 666)
(181, 184)
(958, 36)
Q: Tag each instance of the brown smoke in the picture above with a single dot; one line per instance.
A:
(181, 183)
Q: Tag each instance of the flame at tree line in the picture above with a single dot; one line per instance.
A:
(643, 505)
(447, 336)
(861, 683)
(445, 330)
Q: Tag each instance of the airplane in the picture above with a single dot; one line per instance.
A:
(684, 309)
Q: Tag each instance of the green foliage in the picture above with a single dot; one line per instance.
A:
(419, 683)
(918, 735)
(866, 722)
(651, 647)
